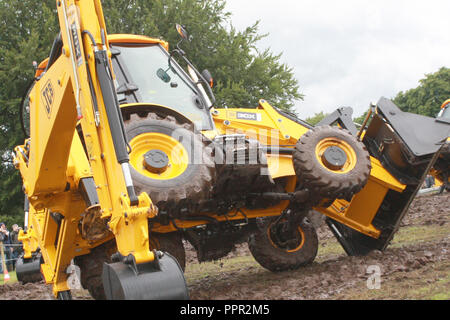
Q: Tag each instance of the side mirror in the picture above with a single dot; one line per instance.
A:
(182, 32)
(163, 75)
(207, 76)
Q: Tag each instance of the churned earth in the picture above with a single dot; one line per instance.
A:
(415, 266)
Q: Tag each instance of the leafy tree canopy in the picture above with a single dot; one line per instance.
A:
(316, 118)
(428, 97)
(27, 30)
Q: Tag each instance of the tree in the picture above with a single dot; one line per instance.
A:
(242, 73)
(26, 34)
(427, 98)
(360, 119)
(316, 118)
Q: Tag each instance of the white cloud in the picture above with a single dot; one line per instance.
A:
(351, 52)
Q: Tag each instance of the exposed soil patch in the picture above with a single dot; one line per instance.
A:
(323, 280)
(29, 291)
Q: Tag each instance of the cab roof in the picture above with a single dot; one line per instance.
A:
(131, 38)
(117, 38)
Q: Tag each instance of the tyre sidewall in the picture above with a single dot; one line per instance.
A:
(323, 181)
(318, 167)
(276, 259)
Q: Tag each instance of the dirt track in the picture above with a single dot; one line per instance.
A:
(415, 266)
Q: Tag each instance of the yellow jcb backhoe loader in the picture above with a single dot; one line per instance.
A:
(127, 157)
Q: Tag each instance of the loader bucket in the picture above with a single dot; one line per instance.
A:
(159, 280)
(408, 146)
(28, 271)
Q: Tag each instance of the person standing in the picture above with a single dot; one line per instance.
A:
(16, 245)
(4, 238)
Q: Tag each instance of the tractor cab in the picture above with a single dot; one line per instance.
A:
(146, 73)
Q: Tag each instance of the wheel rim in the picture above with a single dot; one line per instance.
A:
(327, 144)
(178, 157)
(288, 245)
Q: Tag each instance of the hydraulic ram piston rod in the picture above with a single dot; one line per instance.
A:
(115, 120)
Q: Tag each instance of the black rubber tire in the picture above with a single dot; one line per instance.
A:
(91, 268)
(195, 183)
(276, 259)
(324, 183)
(171, 243)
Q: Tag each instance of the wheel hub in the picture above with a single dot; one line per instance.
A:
(334, 158)
(283, 236)
(156, 161)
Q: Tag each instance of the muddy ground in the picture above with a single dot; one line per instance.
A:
(415, 266)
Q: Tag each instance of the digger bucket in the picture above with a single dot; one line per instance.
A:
(407, 145)
(28, 271)
(162, 279)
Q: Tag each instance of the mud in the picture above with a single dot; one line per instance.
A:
(320, 280)
(29, 291)
(333, 275)
(422, 257)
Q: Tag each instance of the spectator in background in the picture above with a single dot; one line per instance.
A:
(4, 238)
(16, 245)
(3, 232)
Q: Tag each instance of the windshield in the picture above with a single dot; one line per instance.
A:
(445, 113)
(148, 69)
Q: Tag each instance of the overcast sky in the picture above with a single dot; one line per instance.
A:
(351, 52)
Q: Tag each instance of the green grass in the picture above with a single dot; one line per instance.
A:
(404, 237)
(12, 278)
(416, 234)
(430, 283)
(328, 249)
